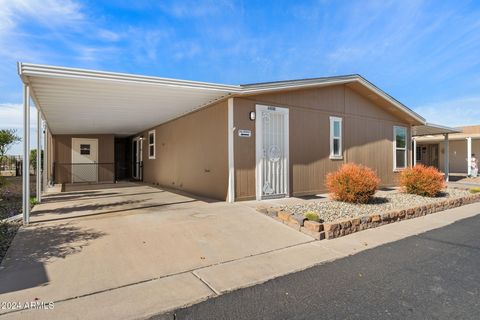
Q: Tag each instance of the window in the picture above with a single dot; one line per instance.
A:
(335, 138)
(85, 149)
(151, 144)
(399, 148)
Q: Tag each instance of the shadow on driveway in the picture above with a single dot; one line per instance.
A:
(23, 267)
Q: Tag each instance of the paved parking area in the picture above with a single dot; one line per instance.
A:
(85, 242)
(137, 251)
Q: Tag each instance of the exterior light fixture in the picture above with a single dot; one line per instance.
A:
(252, 115)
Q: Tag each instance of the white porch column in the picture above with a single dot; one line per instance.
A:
(45, 158)
(447, 164)
(26, 155)
(414, 151)
(469, 156)
(231, 165)
(38, 172)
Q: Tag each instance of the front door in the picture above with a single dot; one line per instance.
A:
(137, 158)
(271, 152)
(84, 160)
(433, 155)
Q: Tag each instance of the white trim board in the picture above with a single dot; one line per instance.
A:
(231, 157)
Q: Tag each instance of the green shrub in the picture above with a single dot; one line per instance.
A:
(312, 216)
(3, 182)
(33, 201)
(474, 190)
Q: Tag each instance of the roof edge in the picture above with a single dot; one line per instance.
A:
(30, 69)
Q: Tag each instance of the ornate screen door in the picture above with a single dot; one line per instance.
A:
(272, 152)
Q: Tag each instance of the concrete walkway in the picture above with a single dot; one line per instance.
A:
(156, 292)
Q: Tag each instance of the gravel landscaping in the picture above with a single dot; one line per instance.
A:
(383, 201)
(7, 233)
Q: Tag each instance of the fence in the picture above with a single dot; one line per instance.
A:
(11, 166)
(83, 172)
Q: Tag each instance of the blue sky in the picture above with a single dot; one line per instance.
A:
(424, 53)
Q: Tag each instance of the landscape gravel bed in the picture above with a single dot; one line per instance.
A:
(383, 201)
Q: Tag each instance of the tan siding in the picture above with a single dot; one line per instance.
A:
(63, 154)
(471, 129)
(191, 153)
(367, 137)
(457, 155)
(244, 153)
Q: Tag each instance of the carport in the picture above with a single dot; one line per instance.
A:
(430, 129)
(77, 101)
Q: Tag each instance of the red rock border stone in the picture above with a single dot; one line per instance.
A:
(337, 229)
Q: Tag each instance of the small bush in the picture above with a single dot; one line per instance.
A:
(33, 202)
(474, 190)
(352, 183)
(312, 216)
(422, 180)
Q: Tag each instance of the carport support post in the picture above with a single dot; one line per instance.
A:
(26, 155)
(469, 156)
(38, 181)
(447, 164)
(45, 157)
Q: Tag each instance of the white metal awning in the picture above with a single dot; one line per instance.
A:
(430, 129)
(79, 101)
(85, 102)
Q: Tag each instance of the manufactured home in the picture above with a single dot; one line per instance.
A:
(226, 142)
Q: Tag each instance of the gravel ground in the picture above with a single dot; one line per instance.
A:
(11, 196)
(470, 180)
(383, 201)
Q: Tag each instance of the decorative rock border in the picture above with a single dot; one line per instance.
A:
(337, 229)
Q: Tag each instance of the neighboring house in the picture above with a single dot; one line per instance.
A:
(430, 149)
(253, 141)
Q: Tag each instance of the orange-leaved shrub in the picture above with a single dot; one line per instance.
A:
(352, 183)
(422, 180)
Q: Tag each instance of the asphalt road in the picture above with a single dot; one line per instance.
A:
(435, 275)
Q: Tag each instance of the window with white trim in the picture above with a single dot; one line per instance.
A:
(336, 138)
(399, 148)
(151, 144)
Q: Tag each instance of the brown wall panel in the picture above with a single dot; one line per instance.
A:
(62, 146)
(367, 137)
(191, 153)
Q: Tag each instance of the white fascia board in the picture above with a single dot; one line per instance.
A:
(291, 85)
(27, 69)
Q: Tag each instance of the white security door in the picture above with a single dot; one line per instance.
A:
(272, 152)
(84, 160)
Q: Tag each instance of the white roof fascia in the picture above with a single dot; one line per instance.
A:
(27, 69)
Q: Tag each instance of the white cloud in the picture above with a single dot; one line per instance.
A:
(188, 8)
(455, 112)
(51, 13)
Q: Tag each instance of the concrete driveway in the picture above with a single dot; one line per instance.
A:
(90, 242)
